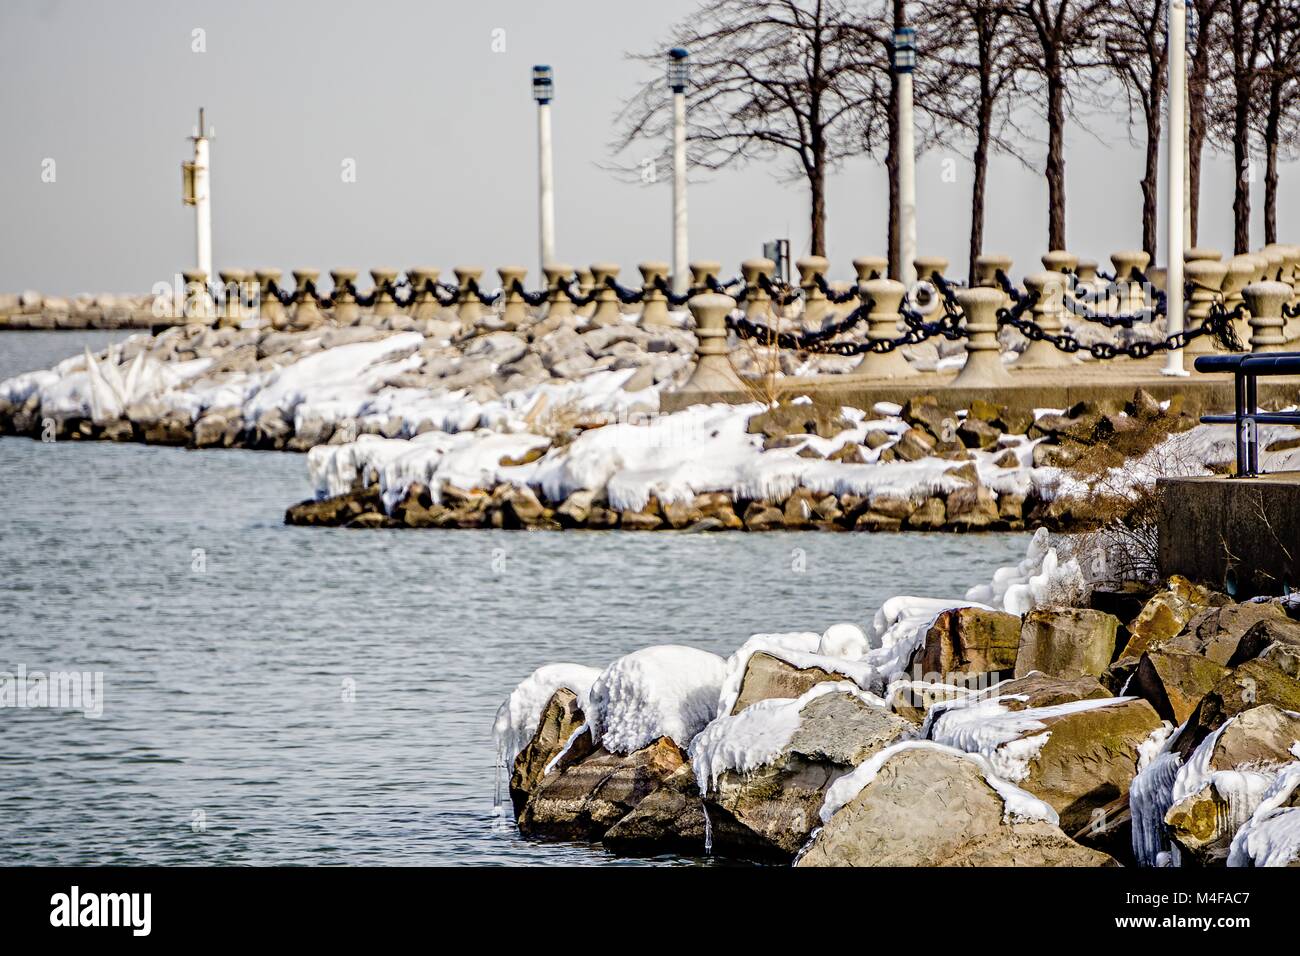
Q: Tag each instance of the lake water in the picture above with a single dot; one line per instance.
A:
(230, 645)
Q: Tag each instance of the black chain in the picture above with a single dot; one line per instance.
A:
(1217, 323)
(578, 298)
(531, 298)
(661, 284)
(625, 295)
(1008, 289)
(836, 298)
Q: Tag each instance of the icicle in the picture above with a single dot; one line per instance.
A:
(708, 829)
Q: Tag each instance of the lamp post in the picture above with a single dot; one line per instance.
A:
(904, 63)
(1174, 223)
(678, 78)
(198, 193)
(543, 93)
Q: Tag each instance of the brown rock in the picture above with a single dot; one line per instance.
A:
(1253, 684)
(590, 796)
(768, 677)
(1066, 642)
(930, 808)
(1174, 682)
(929, 515)
(763, 517)
(1216, 632)
(964, 645)
(914, 444)
(971, 507)
(560, 718)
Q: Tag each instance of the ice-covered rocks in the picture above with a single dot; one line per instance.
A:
(926, 805)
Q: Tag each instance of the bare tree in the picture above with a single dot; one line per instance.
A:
(802, 80)
(1135, 51)
(1278, 117)
(978, 76)
(1205, 47)
(1057, 52)
(1236, 97)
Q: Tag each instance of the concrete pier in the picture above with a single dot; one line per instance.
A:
(1241, 535)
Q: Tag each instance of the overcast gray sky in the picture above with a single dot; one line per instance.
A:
(442, 130)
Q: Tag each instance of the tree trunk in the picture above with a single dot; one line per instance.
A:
(1055, 161)
(1241, 181)
(1270, 169)
(894, 238)
(981, 161)
(1150, 179)
(817, 187)
(1197, 73)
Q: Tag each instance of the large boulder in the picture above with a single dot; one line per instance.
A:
(1272, 639)
(588, 797)
(1066, 642)
(1089, 758)
(1037, 689)
(769, 812)
(669, 820)
(1257, 742)
(560, 721)
(968, 642)
(930, 807)
(767, 676)
(1174, 682)
(1248, 686)
(1216, 633)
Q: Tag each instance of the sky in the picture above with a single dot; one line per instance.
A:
(439, 124)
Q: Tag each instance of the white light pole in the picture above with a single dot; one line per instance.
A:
(1174, 222)
(543, 93)
(198, 193)
(678, 77)
(904, 63)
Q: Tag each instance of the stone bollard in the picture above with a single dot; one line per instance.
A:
(1129, 294)
(1241, 273)
(882, 324)
(306, 314)
(1275, 260)
(384, 304)
(468, 308)
(1202, 254)
(1050, 287)
(927, 266)
(514, 310)
(1087, 272)
(269, 308)
(1265, 301)
(713, 373)
(654, 304)
(870, 267)
(1206, 277)
(199, 307)
(987, 268)
(815, 303)
(607, 311)
(1058, 260)
(424, 302)
(701, 272)
(586, 286)
(1293, 325)
(758, 304)
(230, 313)
(343, 298)
(559, 307)
(983, 368)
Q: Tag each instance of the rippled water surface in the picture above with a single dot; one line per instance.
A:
(227, 642)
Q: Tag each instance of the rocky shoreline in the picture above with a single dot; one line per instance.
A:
(1154, 725)
(926, 430)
